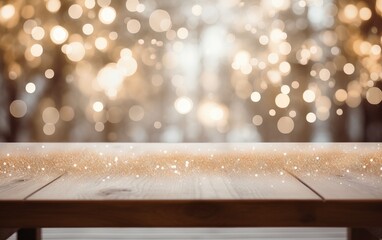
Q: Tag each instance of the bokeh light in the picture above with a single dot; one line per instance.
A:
(107, 15)
(131, 70)
(30, 87)
(160, 20)
(285, 125)
(7, 11)
(18, 108)
(183, 105)
(58, 34)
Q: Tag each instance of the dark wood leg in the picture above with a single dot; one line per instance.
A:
(5, 233)
(363, 234)
(29, 234)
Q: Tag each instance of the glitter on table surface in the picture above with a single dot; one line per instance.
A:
(338, 170)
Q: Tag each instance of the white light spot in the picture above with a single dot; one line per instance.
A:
(183, 105)
(107, 15)
(98, 106)
(58, 34)
(30, 87)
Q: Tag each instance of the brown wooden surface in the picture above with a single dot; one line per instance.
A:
(175, 187)
(5, 233)
(190, 213)
(361, 234)
(193, 185)
(21, 185)
(338, 185)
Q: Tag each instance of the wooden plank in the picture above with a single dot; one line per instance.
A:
(187, 186)
(218, 186)
(340, 185)
(190, 213)
(343, 171)
(20, 185)
(25, 168)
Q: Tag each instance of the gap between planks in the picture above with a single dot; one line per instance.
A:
(305, 184)
(45, 185)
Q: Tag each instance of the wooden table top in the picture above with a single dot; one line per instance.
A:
(190, 184)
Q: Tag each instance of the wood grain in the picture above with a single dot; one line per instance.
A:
(21, 185)
(198, 186)
(343, 186)
(195, 185)
(190, 213)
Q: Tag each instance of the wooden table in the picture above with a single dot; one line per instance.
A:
(191, 185)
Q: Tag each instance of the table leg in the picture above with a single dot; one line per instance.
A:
(29, 234)
(363, 234)
(5, 233)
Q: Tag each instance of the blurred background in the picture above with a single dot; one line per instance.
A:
(190, 71)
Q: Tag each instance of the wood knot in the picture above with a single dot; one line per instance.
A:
(20, 180)
(114, 191)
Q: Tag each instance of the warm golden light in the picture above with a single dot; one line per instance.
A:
(53, 5)
(160, 20)
(30, 87)
(110, 79)
(282, 100)
(212, 114)
(257, 120)
(136, 113)
(183, 105)
(98, 106)
(101, 43)
(58, 34)
(341, 95)
(88, 29)
(75, 51)
(232, 71)
(107, 15)
(349, 68)
(132, 5)
(38, 33)
(49, 129)
(49, 73)
(351, 11)
(255, 96)
(365, 13)
(133, 26)
(7, 12)
(374, 95)
(378, 7)
(75, 11)
(324, 74)
(309, 96)
(67, 113)
(197, 10)
(50, 115)
(285, 125)
(311, 117)
(18, 108)
(36, 50)
(182, 33)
